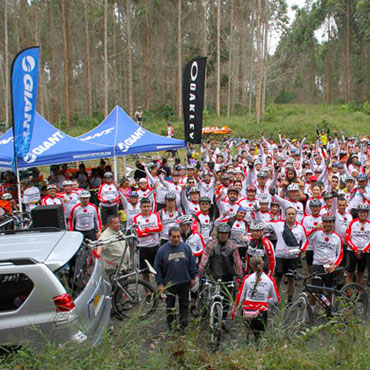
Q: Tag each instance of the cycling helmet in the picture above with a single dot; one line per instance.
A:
(7, 196)
(67, 182)
(328, 195)
(204, 200)
(85, 194)
(108, 174)
(185, 220)
(363, 207)
(170, 196)
(293, 187)
(314, 203)
(232, 189)
(194, 189)
(362, 177)
(328, 217)
(242, 209)
(257, 225)
(134, 194)
(52, 186)
(350, 178)
(263, 198)
(223, 228)
(262, 174)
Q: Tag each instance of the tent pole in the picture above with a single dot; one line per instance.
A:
(19, 190)
(115, 169)
(124, 166)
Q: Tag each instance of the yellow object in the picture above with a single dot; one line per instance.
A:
(122, 215)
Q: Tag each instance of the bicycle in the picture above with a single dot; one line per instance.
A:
(130, 294)
(211, 302)
(351, 301)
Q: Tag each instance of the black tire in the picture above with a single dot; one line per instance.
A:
(215, 325)
(298, 316)
(131, 298)
(352, 302)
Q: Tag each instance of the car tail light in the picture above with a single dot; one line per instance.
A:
(64, 303)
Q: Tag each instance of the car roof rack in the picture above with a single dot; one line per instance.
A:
(43, 229)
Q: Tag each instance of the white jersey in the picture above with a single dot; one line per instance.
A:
(358, 235)
(225, 206)
(130, 209)
(148, 193)
(207, 190)
(285, 203)
(69, 201)
(84, 218)
(190, 207)
(342, 221)
(282, 249)
(310, 223)
(249, 205)
(31, 198)
(148, 229)
(203, 224)
(168, 220)
(108, 193)
(49, 201)
(327, 247)
(196, 244)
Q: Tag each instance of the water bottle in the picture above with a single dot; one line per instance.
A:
(325, 299)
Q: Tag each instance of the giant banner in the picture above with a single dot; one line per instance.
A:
(24, 81)
(193, 98)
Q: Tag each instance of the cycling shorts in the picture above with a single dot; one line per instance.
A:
(353, 262)
(283, 265)
(147, 253)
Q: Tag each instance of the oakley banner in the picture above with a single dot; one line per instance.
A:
(25, 75)
(193, 98)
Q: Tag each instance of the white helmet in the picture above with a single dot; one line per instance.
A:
(293, 187)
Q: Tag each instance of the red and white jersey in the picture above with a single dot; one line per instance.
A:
(190, 207)
(342, 221)
(148, 193)
(327, 247)
(221, 192)
(148, 229)
(249, 205)
(69, 201)
(225, 206)
(168, 220)
(310, 223)
(265, 251)
(203, 224)
(131, 211)
(108, 195)
(84, 218)
(285, 203)
(358, 235)
(263, 216)
(207, 190)
(282, 250)
(49, 201)
(251, 298)
(239, 230)
(196, 243)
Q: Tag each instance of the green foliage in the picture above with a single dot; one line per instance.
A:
(271, 113)
(367, 107)
(284, 97)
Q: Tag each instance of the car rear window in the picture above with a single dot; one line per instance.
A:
(14, 290)
(76, 273)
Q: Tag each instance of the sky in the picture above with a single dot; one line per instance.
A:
(291, 13)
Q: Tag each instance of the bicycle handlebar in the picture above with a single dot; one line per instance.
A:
(213, 282)
(299, 276)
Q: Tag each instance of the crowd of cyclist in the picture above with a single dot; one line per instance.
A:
(247, 210)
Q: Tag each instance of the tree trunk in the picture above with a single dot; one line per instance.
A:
(328, 65)
(347, 58)
(105, 48)
(40, 90)
(179, 61)
(68, 73)
(265, 57)
(251, 62)
(258, 66)
(87, 60)
(205, 47)
(148, 58)
(6, 72)
(229, 84)
(24, 17)
(218, 63)
(129, 61)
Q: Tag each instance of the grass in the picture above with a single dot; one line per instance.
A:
(295, 121)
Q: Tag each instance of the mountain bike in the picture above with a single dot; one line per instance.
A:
(130, 294)
(349, 302)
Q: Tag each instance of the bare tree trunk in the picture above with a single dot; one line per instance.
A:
(251, 62)
(6, 72)
(148, 57)
(105, 48)
(218, 63)
(265, 57)
(205, 48)
(87, 60)
(68, 75)
(179, 61)
(40, 91)
(129, 61)
(258, 66)
(347, 59)
(229, 84)
(328, 65)
(24, 6)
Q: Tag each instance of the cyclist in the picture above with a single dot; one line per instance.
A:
(31, 196)
(290, 236)
(70, 198)
(358, 239)
(191, 206)
(327, 252)
(203, 221)
(85, 218)
(221, 260)
(228, 205)
(131, 206)
(53, 197)
(148, 229)
(108, 197)
(256, 292)
(191, 237)
(260, 246)
(168, 215)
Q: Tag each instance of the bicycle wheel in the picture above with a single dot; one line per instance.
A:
(131, 297)
(215, 324)
(352, 302)
(299, 316)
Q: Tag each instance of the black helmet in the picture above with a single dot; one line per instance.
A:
(314, 203)
(328, 217)
(204, 200)
(223, 228)
(170, 195)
